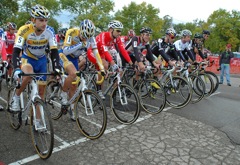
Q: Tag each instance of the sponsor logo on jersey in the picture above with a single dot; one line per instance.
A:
(34, 42)
(26, 29)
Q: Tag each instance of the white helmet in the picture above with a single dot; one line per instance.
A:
(115, 24)
(39, 11)
(186, 32)
(87, 28)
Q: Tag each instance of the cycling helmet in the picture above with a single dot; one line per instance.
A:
(131, 33)
(115, 24)
(11, 25)
(186, 32)
(206, 32)
(39, 11)
(146, 30)
(87, 28)
(198, 35)
(62, 31)
(171, 31)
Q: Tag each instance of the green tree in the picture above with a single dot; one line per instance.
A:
(225, 29)
(136, 16)
(95, 10)
(8, 8)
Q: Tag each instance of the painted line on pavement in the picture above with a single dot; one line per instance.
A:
(214, 94)
(73, 143)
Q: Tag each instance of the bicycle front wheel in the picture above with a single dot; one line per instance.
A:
(153, 97)
(125, 104)
(178, 92)
(198, 88)
(41, 129)
(91, 115)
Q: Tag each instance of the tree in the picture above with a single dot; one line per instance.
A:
(136, 16)
(224, 28)
(95, 10)
(8, 8)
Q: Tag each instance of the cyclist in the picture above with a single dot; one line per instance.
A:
(197, 46)
(206, 35)
(33, 39)
(61, 36)
(182, 46)
(164, 47)
(9, 38)
(77, 42)
(105, 42)
(139, 44)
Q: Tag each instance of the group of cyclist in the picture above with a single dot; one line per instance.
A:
(65, 48)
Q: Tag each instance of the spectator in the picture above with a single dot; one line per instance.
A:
(224, 64)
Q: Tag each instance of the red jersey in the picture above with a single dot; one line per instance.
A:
(3, 50)
(9, 42)
(105, 43)
(124, 39)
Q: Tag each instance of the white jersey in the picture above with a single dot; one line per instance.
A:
(180, 46)
(34, 46)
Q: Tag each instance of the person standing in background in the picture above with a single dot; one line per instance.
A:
(224, 64)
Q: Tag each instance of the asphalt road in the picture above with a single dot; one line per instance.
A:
(221, 111)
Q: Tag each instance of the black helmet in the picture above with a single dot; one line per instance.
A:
(206, 32)
(198, 35)
(146, 30)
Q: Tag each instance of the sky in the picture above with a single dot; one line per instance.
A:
(181, 11)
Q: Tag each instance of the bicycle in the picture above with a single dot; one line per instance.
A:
(196, 83)
(150, 91)
(124, 101)
(43, 136)
(178, 90)
(89, 109)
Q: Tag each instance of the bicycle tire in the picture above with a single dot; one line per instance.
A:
(43, 140)
(126, 109)
(209, 85)
(92, 125)
(14, 118)
(53, 90)
(152, 93)
(215, 80)
(197, 83)
(173, 92)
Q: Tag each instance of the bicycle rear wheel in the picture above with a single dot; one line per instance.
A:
(178, 92)
(126, 108)
(153, 98)
(215, 80)
(43, 135)
(53, 99)
(91, 115)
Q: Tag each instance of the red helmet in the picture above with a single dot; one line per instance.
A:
(131, 33)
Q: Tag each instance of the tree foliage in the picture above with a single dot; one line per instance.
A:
(136, 16)
(95, 10)
(8, 8)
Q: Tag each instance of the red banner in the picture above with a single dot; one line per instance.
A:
(234, 64)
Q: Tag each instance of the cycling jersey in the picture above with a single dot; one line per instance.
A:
(105, 43)
(73, 47)
(183, 50)
(35, 45)
(135, 48)
(9, 41)
(166, 50)
(197, 49)
(3, 50)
